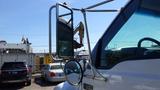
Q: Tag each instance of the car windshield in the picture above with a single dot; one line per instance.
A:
(13, 65)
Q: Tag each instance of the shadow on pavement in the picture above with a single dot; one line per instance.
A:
(15, 86)
(40, 81)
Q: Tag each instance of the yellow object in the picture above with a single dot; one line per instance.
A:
(47, 59)
(80, 28)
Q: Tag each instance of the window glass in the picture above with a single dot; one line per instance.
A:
(45, 67)
(13, 65)
(125, 43)
(55, 67)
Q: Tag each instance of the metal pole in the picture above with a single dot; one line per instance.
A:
(101, 10)
(98, 4)
(57, 18)
(89, 48)
(88, 40)
(50, 29)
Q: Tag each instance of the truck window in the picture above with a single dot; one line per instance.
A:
(124, 45)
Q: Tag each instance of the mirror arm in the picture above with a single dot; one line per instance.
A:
(87, 34)
(50, 29)
(65, 14)
(99, 4)
(88, 40)
(94, 71)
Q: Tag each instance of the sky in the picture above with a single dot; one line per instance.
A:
(29, 18)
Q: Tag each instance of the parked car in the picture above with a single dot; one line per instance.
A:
(53, 72)
(15, 72)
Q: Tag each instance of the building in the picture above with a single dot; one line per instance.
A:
(23, 47)
(13, 52)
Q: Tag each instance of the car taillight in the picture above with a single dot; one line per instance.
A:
(52, 74)
(30, 69)
(27, 70)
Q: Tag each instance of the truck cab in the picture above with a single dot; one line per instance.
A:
(126, 57)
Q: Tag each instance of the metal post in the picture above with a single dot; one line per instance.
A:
(57, 17)
(99, 4)
(50, 29)
(87, 34)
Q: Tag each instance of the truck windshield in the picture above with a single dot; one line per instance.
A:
(143, 23)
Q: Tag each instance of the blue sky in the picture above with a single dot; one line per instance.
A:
(29, 18)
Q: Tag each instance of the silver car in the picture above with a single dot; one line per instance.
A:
(53, 72)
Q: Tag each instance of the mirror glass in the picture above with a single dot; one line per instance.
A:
(73, 72)
(83, 64)
(64, 39)
(62, 63)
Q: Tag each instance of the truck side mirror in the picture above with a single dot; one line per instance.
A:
(64, 39)
(73, 72)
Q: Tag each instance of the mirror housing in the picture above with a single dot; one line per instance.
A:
(73, 72)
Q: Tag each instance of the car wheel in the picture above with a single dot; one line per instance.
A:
(28, 83)
(45, 79)
(1, 84)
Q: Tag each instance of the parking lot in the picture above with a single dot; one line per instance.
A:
(37, 84)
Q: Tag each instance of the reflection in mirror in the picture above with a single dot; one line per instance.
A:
(64, 39)
(73, 72)
(62, 63)
(83, 64)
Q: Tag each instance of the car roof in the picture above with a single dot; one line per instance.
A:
(14, 62)
(50, 64)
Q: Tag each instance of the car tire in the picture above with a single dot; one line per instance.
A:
(45, 78)
(28, 83)
(1, 84)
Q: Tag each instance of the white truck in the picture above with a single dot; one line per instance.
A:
(126, 57)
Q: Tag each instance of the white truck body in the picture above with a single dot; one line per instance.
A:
(123, 65)
(139, 75)
(129, 75)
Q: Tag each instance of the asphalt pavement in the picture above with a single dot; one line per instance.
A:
(38, 83)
